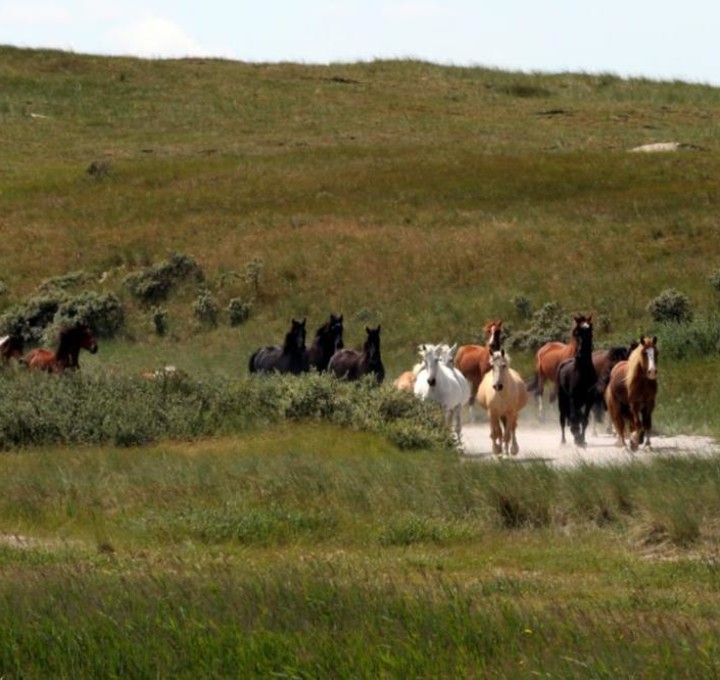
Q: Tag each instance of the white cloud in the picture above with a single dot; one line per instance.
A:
(155, 37)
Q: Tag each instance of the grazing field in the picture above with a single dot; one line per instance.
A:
(220, 524)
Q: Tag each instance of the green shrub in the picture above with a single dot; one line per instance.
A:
(30, 318)
(159, 317)
(153, 284)
(205, 309)
(697, 338)
(238, 311)
(549, 323)
(671, 306)
(103, 311)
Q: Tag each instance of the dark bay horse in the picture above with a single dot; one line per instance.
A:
(548, 358)
(292, 357)
(66, 356)
(631, 393)
(11, 347)
(604, 360)
(576, 382)
(473, 361)
(352, 364)
(328, 340)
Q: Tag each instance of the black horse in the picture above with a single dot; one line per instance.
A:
(353, 364)
(292, 357)
(11, 347)
(328, 340)
(577, 386)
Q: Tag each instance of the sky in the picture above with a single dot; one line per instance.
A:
(657, 39)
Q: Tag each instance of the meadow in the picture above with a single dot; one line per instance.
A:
(228, 526)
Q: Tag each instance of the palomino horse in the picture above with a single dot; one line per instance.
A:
(353, 364)
(548, 358)
(577, 386)
(72, 340)
(11, 347)
(503, 394)
(437, 382)
(290, 358)
(328, 340)
(631, 392)
(473, 361)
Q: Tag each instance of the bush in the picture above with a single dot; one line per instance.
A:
(154, 284)
(239, 311)
(671, 306)
(103, 311)
(549, 323)
(700, 337)
(205, 309)
(160, 320)
(715, 280)
(30, 318)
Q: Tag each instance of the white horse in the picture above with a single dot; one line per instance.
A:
(502, 393)
(436, 382)
(448, 358)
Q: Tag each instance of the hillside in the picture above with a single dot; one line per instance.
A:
(425, 198)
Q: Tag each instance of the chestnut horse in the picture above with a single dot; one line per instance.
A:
(72, 340)
(549, 357)
(473, 361)
(630, 394)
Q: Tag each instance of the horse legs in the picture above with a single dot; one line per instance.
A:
(457, 411)
(510, 434)
(495, 434)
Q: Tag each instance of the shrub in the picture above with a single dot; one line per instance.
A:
(699, 337)
(154, 283)
(159, 320)
(550, 322)
(30, 318)
(64, 282)
(103, 311)
(239, 311)
(671, 306)
(715, 280)
(205, 308)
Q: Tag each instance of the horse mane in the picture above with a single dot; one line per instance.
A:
(635, 361)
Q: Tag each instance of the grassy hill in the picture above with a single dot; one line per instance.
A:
(220, 527)
(427, 198)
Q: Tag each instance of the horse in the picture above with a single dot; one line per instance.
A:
(473, 361)
(603, 361)
(292, 357)
(548, 358)
(11, 347)
(353, 364)
(72, 339)
(631, 392)
(328, 340)
(437, 382)
(503, 394)
(447, 356)
(576, 382)
(406, 380)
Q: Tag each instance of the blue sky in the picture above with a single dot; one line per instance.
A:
(657, 39)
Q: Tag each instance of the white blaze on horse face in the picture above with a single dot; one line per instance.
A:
(499, 363)
(652, 366)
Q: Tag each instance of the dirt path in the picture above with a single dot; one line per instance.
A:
(541, 441)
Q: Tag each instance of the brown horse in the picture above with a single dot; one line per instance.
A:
(631, 392)
(604, 360)
(72, 340)
(473, 361)
(549, 357)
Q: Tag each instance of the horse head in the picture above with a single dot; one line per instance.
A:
(372, 344)
(498, 364)
(583, 333)
(430, 357)
(12, 347)
(447, 354)
(87, 341)
(335, 331)
(493, 329)
(295, 339)
(649, 357)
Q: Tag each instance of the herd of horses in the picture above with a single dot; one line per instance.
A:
(619, 380)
